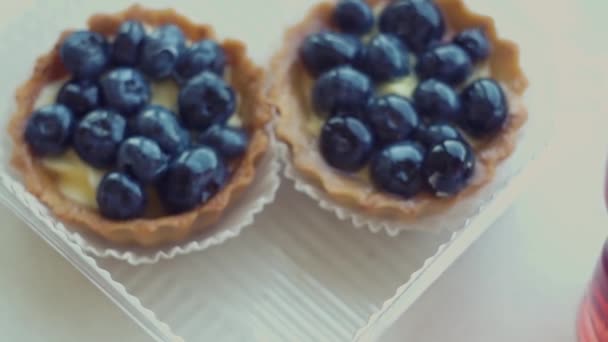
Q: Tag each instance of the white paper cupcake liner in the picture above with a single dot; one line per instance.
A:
(238, 215)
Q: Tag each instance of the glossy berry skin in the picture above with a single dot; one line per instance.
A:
(48, 131)
(80, 97)
(448, 167)
(485, 108)
(161, 125)
(386, 58)
(392, 118)
(342, 90)
(353, 17)
(397, 169)
(142, 158)
(418, 23)
(346, 143)
(160, 51)
(206, 100)
(85, 54)
(192, 179)
(435, 134)
(98, 136)
(125, 90)
(324, 51)
(205, 55)
(120, 197)
(448, 63)
(475, 42)
(229, 142)
(437, 101)
(127, 43)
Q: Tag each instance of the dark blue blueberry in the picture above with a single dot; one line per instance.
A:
(485, 108)
(354, 16)
(392, 118)
(342, 90)
(48, 131)
(346, 143)
(229, 142)
(142, 158)
(323, 51)
(437, 101)
(448, 167)
(206, 100)
(120, 197)
(125, 90)
(386, 58)
(205, 55)
(397, 169)
(85, 54)
(192, 179)
(437, 133)
(161, 125)
(80, 96)
(127, 44)
(448, 63)
(160, 51)
(98, 136)
(475, 43)
(418, 23)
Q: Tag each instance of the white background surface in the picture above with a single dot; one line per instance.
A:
(521, 281)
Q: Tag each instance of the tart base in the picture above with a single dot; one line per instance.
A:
(289, 93)
(254, 110)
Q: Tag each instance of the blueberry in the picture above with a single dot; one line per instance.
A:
(80, 97)
(127, 44)
(475, 43)
(392, 118)
(343, 89)
(397, 169)
(98, 136)
(437, 133)
(161, 125)
(448, 167)
(418, 23)
(437, 101)
(386, 58)
(161, 50)
(229, 142)
(346, 143)
(85, 54)
(192, 178)
(206, 100)
(353, 16)
(49, 130)
(205, 55)
(448, 63)
(142, 158)
(125, 90)
(485, 108)
(120, 197)
(323, 51)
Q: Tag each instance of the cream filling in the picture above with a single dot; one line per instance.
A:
(75, 179)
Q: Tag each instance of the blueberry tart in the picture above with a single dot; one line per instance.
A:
(397, 109)
(142, 128)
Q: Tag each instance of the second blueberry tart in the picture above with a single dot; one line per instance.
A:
(143, 128)
(397, 109)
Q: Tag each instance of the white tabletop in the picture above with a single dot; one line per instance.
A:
(522, 281)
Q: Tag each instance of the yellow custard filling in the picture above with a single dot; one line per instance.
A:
(77, 180)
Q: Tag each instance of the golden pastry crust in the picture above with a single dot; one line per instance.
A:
(289, 92)
(254, 110)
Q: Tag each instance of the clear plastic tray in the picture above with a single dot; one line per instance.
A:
(299, 273)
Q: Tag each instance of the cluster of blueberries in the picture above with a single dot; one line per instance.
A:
(104, 114)
(409, 144)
